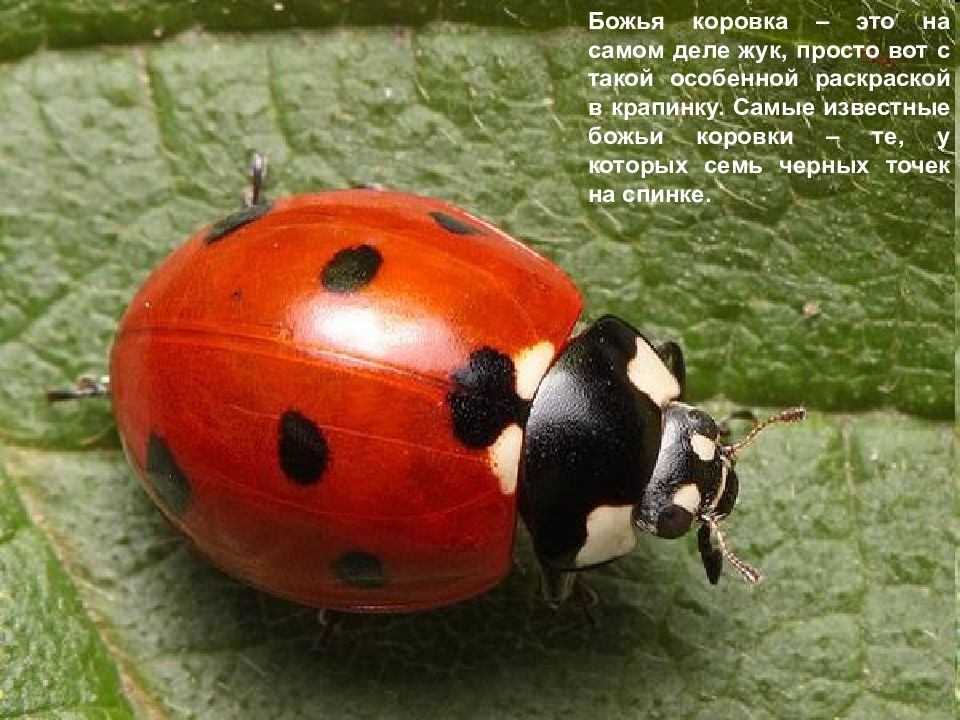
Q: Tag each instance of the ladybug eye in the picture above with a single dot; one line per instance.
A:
(673, 521)
(727, 494)
(704, 424)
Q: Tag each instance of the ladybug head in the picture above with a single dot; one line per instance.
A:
(694, 481)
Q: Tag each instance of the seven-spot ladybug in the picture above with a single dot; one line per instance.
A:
(345, 397)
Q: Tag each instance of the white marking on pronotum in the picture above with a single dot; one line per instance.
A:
(610, 534)
(505, 457)
(531, 364)
(688, 497)
(650, 376)
(704, 447)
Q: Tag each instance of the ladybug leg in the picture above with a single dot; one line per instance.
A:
(559, 586)
(86, 386)
(253, 195)
(556, 585)
(586, 599)
(518, 564)
(329, 621)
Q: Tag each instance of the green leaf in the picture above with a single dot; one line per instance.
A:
(854, 618)
(54, 661)
(112, 156)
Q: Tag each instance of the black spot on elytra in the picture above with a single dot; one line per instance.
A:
(351, 269)
(483, 400)
(301, 448)
(236, 295)
(455, 225)
(360, 569)
(169, 481)
(237, 220)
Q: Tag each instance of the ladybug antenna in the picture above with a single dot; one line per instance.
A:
(86, 386)
(258, 173)
(749, 573)
(792, 415)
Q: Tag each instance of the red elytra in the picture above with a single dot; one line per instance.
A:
(282, 388)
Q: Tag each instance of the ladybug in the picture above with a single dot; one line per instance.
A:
(345, 398)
